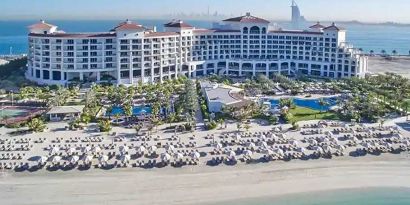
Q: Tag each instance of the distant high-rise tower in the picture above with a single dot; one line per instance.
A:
(295, 15)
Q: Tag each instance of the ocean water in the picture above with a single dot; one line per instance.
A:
(13, 34)
(367, 196)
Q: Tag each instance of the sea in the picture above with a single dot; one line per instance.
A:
(363, 196)
(376, 37)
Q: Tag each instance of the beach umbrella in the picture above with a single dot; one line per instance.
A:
(74, 159)
(96, 149)
(293, 142)
(195, 155)
(86, 149)
(301, 149)
(152, 148)
(237, 137)
(141, 149)
(406, 143)
(318, 149)
(268, 152)
(327, 148)
(312, 142)
(366, 145)
(278, 151)
(125, 158)
(42, 160)
(55, 159)
(123, 149)
(178, 156)
(87, 159)
(247, 153)
(264, 145)
(54, 150)
(103, 159)
(169, 148)
(218, 146)
(231, 154)
(250, 145)
(165, 157)
(71, 150)
(328, 133)
(340, 147)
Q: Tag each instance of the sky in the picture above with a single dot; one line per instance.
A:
(313, 10)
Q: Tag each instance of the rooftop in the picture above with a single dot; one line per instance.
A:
(127, 25)
(41, 25)
(66, 109)
(177, 24)
(215, 93)
(248, 18)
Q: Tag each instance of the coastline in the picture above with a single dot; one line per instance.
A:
(204, 185)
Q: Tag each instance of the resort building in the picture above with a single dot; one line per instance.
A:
(241, 46)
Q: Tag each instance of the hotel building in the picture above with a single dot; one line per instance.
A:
(241, 46)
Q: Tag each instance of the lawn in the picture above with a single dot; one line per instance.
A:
(304, 114)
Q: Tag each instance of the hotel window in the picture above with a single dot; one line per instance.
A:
(85, 41)
(93, 41)
(108, 40)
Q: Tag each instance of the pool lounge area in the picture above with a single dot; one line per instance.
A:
(309, 103)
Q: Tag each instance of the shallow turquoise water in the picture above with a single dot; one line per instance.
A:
(368, 196)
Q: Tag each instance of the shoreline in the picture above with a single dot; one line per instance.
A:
(204, 185)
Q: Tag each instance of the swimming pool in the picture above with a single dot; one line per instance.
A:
(137, 110)
(310, 103)
(12, 112)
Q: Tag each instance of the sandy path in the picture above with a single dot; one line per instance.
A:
(203, 184)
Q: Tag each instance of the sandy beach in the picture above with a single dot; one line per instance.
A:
(398, 64)
(203, 185)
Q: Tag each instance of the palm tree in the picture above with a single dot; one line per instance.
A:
(239, 126)
(138, 128)
(406, 105)
(128, 110)
(36, 125)
(247, 127)
(221, 122)
(383, 52)
(322, 104)
(372, 52)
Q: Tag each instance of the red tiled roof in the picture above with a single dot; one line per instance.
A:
(178, 24)
(127, 25)
(318, 26)
(334, 27)
(160, 34)
(74, 35)
(41, 25)
(247, 19)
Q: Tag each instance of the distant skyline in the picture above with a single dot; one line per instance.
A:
(373, 11)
